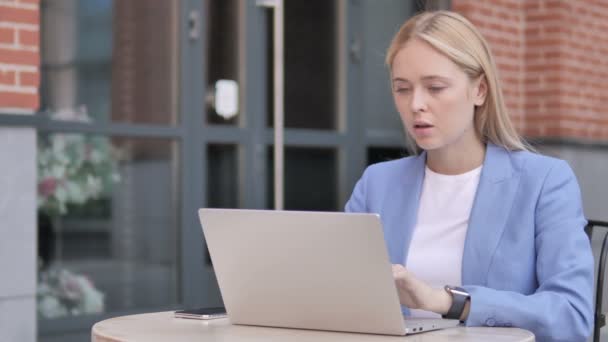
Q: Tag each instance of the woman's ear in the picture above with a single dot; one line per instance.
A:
(480, 90)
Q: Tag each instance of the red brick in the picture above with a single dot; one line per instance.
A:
(486, 12)
(29, 1)
(546, 17)
(19, 15)
(29, 79)
(531, 5)
(532, 106)
(19, 57)
(512, 5)
(530, 132)
(532, 31)
(551, 29)
(554, 4)
(30, 38)
(532, 54)
(545, 41)
(596, 135)
(575, 132)
(7, 77)
(542, 67)
(502, 29)
(19, 100)
(7, 35)
(553, 54)
(503, 67)
(462, 7)
(507, 16)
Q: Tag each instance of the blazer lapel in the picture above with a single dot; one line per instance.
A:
(493, 202)
(401, 210)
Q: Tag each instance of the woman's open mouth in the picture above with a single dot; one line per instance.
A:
(423, 129)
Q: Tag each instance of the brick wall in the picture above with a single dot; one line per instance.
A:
(550, 58)
(19, 55)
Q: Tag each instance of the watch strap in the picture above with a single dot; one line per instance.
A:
(459, 299)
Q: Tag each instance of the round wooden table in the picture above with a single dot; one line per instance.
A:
(162, 326)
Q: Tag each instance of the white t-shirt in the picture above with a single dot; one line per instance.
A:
(435, 253)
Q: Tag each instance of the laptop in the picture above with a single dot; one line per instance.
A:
(307, 270)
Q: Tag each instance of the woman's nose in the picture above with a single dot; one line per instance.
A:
(418, 103)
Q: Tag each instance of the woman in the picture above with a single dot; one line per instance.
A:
(477, 227)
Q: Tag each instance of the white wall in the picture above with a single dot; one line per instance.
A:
(18, 252)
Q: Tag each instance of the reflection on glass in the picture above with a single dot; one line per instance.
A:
(382, 154)
(310, 179)
(310, 65)
(222, 49)
(380, 24)
(107, 60)
(222, 180)
(222, 173)
(107, 232)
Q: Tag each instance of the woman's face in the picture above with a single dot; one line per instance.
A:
(434, 97)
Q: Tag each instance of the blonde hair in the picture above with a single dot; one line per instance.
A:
(454, 36)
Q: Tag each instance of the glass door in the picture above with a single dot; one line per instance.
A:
(338, 114)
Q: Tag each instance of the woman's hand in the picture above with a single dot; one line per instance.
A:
(416, 294)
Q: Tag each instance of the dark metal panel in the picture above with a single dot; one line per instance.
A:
(194, 277)
(351, 160)
(111, 129)
(42, 123)
(225, 135)
(579, 143)
(393, 138)
(18, 120)
(309, 138)
(256, 83)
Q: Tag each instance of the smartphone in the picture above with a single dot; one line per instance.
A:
(201, 313)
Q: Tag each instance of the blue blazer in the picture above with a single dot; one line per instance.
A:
(527, 262)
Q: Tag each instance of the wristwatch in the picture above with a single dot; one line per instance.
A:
(459, 299)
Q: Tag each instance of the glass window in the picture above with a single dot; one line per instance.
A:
(102, 61)
(310, 179)
(222, 50)
(222, 180)
(382, 154)
(222, 176)
(108, 224)
(310, 65)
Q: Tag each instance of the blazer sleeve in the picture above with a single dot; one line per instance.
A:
(561, 309)
(357, 201)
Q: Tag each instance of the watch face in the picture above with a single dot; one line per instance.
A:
(456, 291)
(460, 292)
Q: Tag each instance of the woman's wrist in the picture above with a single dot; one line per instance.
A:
(441, 303)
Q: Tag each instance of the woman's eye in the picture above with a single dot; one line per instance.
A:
(436, 89)
(402, 90)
